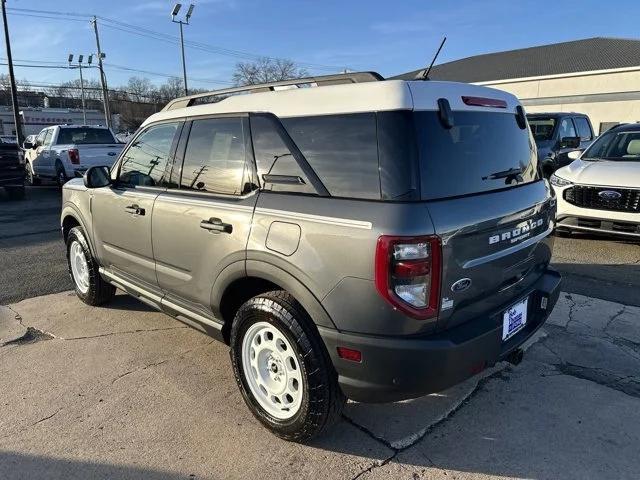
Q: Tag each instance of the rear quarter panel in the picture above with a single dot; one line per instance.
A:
(335, 252)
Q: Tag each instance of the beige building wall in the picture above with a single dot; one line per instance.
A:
(605, 96)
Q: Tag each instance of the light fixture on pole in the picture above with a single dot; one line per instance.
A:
(187, 17)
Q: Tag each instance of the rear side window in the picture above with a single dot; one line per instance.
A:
(273, 157)
(584, 131)
(214, 160)
(342, 150)
(145, 161)
(483, 151)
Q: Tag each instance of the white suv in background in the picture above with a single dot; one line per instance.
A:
(600, 190)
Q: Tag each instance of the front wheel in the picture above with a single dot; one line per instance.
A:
(282, 368)
(89, 285)
(31, 177)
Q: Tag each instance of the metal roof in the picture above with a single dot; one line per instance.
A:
(558, 58)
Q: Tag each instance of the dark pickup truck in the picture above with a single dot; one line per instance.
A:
(557, 135)
(12, 170)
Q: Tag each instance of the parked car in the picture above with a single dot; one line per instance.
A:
(557, 134)
(11, 169)
(361, 238)
(66, 151)
(600, 191)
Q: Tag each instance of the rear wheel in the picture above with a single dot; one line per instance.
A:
(15, 193)
(83, 269)
(283, 369)
(61, 176)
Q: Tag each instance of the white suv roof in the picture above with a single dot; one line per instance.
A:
(351, 97)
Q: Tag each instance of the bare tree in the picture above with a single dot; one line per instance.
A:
(139, 89)
(170, 90)
(266, 70)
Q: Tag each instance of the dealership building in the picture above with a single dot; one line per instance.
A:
(596, 76)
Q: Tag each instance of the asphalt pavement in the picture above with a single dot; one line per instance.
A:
(33, 261)
(124, 392)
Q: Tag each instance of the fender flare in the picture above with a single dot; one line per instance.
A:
(276, 275)
(70, 210)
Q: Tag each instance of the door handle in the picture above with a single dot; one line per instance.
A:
(134, 210)
(216, 225)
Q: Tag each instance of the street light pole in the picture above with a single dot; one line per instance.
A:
(79, 67)
(12, 78)
(174, 12)
(84, 109)
(184, 65)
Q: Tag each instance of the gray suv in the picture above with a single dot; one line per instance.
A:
(346, 236)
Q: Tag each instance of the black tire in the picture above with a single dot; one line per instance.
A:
(99, 292)
(322, 399)
(61, 176)
(31, 178)
(15, 193)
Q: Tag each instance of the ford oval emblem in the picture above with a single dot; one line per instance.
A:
(609, 195)
(461, 285)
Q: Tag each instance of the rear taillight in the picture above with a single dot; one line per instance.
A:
(407, 273)
(74, 156)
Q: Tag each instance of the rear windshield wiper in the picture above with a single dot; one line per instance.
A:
(512, 172)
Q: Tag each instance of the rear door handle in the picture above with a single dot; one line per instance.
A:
(134, 210)
(216, 225)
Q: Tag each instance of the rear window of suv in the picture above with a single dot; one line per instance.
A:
(483, 151)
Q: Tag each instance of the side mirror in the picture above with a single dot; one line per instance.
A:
(96, 177)
(574, 154)
(570, 142)
(27, 145)
(548, 167)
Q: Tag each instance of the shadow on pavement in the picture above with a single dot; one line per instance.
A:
(21, 466)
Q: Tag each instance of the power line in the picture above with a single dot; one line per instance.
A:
(145, 32)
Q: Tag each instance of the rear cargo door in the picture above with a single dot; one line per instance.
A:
(489, 206)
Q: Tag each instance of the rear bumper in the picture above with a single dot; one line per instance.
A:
(394, 369)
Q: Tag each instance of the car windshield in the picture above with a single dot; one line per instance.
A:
(541, 127)
(619, 146)
(84, 136)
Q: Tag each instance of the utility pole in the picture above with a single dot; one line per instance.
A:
(174, 12)
(103, 77)
(12, 78)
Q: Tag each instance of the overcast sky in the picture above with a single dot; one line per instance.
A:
(390, 37)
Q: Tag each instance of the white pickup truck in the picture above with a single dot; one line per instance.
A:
(66, 151)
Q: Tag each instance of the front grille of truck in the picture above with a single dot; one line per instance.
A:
(588, 197)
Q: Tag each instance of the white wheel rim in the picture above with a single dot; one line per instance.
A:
(272, 370)
(79, 266)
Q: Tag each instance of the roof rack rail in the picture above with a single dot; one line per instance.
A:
(323, 80)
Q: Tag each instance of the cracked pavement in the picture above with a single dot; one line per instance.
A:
(126, 392)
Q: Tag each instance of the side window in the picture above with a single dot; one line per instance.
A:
(274, 158)
(567, 129)
(584, 131)
(145, 161)
(342, 150)
(40, 137)
(214, 160)
(47, 137)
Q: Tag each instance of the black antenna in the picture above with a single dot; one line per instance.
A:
(425, 75)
